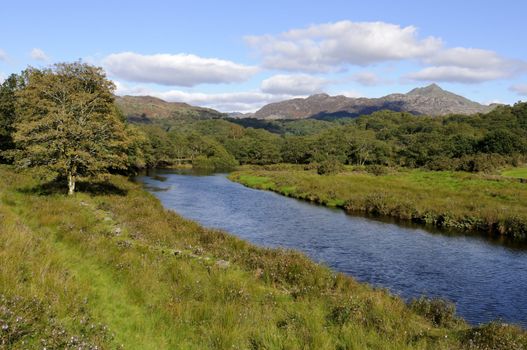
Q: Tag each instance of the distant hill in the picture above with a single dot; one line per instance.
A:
(148, 109)
(430, 100)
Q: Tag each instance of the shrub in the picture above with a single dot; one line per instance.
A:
(377, 170)
(311, 166)
(329, 167)
(485, 163)
(443, 163)
(214, 163)
(441, 313)
(495, 336)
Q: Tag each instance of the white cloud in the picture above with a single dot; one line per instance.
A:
(226, 102)
(520, 89)
(2, 77)
(333, 46)
(367, 79)
(179, 70)
(461, 74)
(39, 55)
(3, 55)
(466, 57)
(468, 65)
(300, 84)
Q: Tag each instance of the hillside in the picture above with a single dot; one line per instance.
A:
(430, 100)
(148, 109)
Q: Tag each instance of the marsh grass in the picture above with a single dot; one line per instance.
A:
(452, 200)
(118, 270)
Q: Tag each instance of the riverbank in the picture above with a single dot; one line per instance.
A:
(452, 200)
(110, 266)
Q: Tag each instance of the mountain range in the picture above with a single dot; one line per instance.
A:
(430, 100)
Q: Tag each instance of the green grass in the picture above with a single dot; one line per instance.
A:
(457, 200)
(117, 270)
(516, 172)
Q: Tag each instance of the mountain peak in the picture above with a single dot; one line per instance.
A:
(427, 90)
(319, 96)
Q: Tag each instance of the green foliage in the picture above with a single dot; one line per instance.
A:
(8, 91)
(160, 149)
(495, 336)
(329, 167)
(503, 142)
(441, 313)
(377, 170)
(255, 147)
(66, 121)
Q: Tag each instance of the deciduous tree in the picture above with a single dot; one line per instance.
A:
(67, 121)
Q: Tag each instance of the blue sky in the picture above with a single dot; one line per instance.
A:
(239, 55)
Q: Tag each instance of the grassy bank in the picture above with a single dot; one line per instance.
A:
(111, 268)
(520, 173)
(455, 200)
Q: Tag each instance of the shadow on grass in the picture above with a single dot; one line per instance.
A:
(94, 188)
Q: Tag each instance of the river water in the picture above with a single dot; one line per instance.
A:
(486, 280)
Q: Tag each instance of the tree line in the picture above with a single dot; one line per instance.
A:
(477, 143)
(64, 117)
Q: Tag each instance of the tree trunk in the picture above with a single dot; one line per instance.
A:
(71, 184)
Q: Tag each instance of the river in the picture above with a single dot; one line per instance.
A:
(485, 280)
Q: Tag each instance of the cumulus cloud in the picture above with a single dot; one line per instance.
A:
(520, 89)
(3, 55)
(466, 57)
(227, 102)
(468, 65)
(458, 74)
(300, 84)
(332, 46)
(178, 70)
(39, 55)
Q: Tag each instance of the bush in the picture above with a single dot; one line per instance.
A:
(495, 336)
(441, 313)
(443, 163)
(485, 163)
(377, 170)
(329, 167)
(214, 163)
(311, 166)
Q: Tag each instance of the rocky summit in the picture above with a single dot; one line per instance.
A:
(430, 100)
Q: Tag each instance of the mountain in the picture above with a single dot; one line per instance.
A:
(430, 100)
(148, 109)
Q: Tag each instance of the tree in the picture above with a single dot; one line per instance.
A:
(8, 91)
(67, 121)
